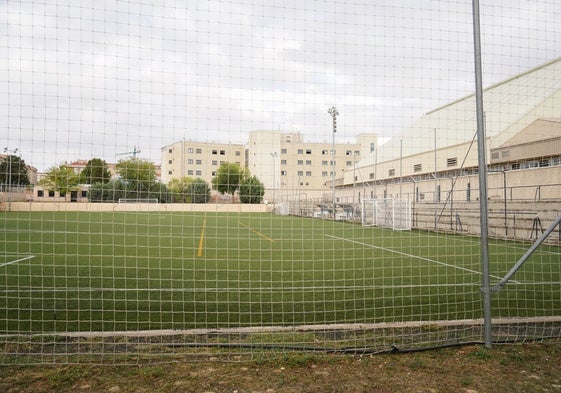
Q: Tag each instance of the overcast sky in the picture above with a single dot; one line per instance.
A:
(83, 79)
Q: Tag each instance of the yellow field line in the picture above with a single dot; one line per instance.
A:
(202, 238)
(258, 233)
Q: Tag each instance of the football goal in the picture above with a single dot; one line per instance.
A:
(387, 213)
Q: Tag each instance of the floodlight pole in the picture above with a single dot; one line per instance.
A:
(334, 113)
(483, 208)
(9, 153)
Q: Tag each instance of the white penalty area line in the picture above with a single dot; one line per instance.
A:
(415, 256)
(17, 260)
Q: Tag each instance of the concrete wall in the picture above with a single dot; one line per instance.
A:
(519, 220)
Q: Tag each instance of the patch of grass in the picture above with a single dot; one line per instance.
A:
(67, 376)
(481, 354)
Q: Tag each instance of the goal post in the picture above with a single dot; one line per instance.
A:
(394, 213)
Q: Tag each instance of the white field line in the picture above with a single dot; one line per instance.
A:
(17, 260)
(414, 256)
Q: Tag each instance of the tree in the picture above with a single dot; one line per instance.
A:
(198, 191)
(13, 171)
(137, 170)
(138, 175)
(111, 191)
(179, 188)
(95, 171)
(251, 190)
(228, 178)
(189, 190)
(137, 181)
(60, 178)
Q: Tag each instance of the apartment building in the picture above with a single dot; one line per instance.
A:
(284, 162)
(188, 158)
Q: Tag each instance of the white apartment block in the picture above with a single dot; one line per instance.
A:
(284, 162)
(198, 159)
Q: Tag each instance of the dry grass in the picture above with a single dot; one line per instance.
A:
(509, 368)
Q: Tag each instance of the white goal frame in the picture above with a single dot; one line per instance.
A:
(138, 200)
(394, 213)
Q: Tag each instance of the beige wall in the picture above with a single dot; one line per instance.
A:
(136, 207)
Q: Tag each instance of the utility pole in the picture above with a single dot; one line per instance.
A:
(334, 113)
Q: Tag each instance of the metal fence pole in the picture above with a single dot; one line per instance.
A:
(483, 209)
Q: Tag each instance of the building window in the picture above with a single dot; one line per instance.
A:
(515, 166)
(215, 152)
(308, 151)
(51, 193)
(332, 162)
(170, 162)
(417, 167)
(190, 161)
(213, 173)
(190, 150)
(283, 173)
(324, 173)
(198, 173)
(283, 162)
(349, 163)
(84, 194)
(300, 162)
(199, 162)
(371, 175)
(222, 152)
(238, 153)
(349, 153)
(40, 193)
(324, 152)
(170, 151)
(452, 161)
(199, 151)
(300, 151)
(308, 162)
(283, 151)
(324, 162)
(300, 173)
(391, 172)
(308, 173)
(468, 192)
(214, 162)
(190, 172)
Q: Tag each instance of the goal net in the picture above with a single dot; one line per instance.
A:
(391, 213)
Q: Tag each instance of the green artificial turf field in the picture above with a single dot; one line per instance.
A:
(63, 272)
